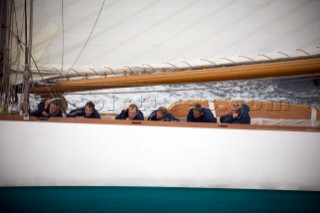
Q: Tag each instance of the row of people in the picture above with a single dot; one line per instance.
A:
(239, 113)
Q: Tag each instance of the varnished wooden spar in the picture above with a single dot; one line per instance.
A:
(241, 72)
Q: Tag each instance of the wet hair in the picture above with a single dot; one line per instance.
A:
(198, 108)
(90, 105)
(55, 102)
(162, 110)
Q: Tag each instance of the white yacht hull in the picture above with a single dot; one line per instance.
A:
(82, 154)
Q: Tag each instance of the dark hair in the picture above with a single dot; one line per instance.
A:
(90, 105)
(55, 102)
(198, 108)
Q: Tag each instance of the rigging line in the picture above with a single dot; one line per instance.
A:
(62, 57)
(35, 63)
(262, 27)
(18, 40)
(217, 32)
(78, 22)
(101, 33)
(53, 12)
(136, 35)
(88, 37)
(40, 74)
(172, 37)
(30, 30)
(26, 32)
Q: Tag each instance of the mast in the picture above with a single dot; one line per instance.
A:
(4, 75)
(27, 72)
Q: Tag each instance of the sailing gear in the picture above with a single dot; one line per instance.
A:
(80, 112)
(206, 116)
(243, 118)
(167, 117)
(124, 114)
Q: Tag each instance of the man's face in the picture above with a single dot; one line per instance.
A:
(234, 112)
(53, 109)
(88, 111)
(196, 114)
(132, 112)
(159, 115)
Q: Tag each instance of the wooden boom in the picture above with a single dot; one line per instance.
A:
(241, 72)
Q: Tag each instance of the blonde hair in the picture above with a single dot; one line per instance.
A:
(238, 106)
(163, 110)
(132, 106)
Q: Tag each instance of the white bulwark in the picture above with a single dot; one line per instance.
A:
(77, 154)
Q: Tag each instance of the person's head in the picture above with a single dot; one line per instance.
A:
(236, 108)
(132, 111)
(197, 111)
(88, 109)
(161, 113)
(54, 107)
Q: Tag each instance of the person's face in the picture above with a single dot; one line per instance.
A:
(159, 115)
(196, 114)
(132, 112)
(53, 109)
(234, 112)
(88, 111)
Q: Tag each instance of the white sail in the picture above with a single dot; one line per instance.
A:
(108, 37)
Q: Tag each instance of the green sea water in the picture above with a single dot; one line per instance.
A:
(154, 199)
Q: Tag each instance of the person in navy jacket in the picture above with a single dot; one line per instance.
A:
(200, 114)
(54, 109)
(88, 111)
(130, 113)
(161, 114)
(239, 114)
(43, 108)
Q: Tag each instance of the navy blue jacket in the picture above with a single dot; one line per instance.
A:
(58, 115)
(206, 117)
(80, 112)
(38, 112)
(168, 117)
(244, 118)
(124, 114)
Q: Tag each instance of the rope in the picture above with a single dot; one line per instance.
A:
(79, 21)
(101, 33)
(88, 37)
(62, 57)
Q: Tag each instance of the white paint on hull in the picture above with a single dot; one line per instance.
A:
(73, 154)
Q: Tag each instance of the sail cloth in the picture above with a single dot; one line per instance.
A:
(108, 37)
